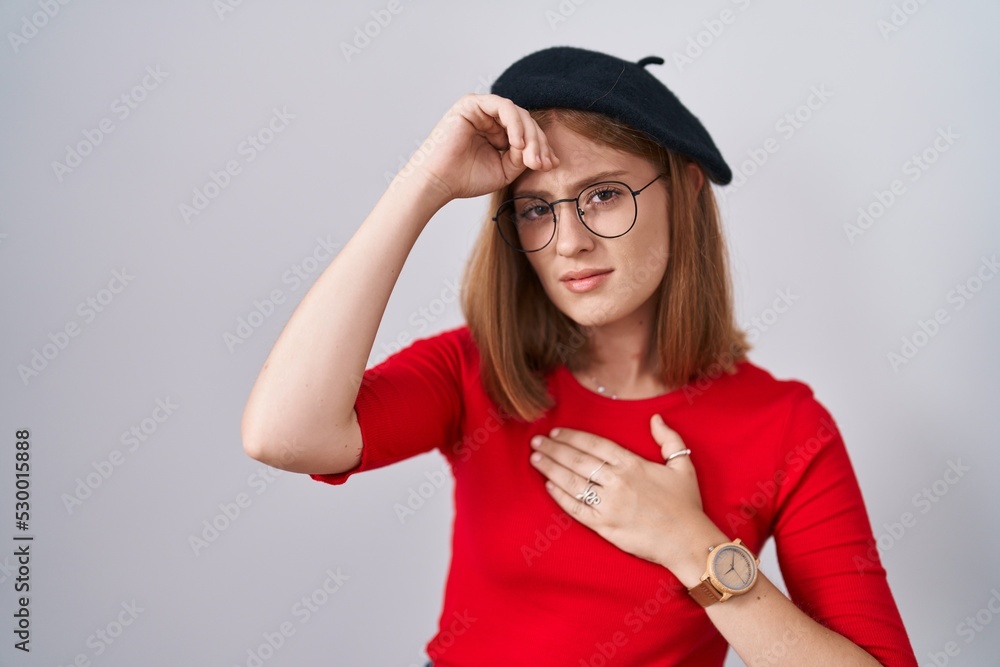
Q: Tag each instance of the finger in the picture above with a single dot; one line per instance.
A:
(536, 145)
(512, 163)
(579, 462)
(566, 479)
(498, 125)
(551, 160)
(590, 443)
(577, 509)
(507, 114)
(489, 127)
(670, 442)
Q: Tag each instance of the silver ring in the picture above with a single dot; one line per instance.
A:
(589, 496)
(683, 452)
(591, 478)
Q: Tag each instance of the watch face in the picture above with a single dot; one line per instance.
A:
(733, 568)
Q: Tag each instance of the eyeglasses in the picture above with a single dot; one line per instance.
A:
(607, 209)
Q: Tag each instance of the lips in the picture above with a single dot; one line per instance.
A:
(583, 273)
(590, 280)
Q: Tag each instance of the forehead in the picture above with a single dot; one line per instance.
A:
(581, 159)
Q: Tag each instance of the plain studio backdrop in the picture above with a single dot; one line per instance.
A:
(175, 175)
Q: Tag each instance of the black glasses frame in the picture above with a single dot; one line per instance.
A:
(579, 212)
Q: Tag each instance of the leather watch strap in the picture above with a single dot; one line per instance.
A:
(705, 594)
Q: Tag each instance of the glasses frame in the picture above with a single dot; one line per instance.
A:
(579, 212)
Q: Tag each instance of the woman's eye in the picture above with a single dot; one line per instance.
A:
(533, 213)
(604, 196)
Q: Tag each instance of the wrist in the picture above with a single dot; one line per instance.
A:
(421, 189)
(688, 560)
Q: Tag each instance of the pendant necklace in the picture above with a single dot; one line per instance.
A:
(601, 389)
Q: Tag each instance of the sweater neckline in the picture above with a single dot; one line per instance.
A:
(604, 400)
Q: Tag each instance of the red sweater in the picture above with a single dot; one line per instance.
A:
(528, 585)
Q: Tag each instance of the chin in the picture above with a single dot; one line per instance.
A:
(599, 313)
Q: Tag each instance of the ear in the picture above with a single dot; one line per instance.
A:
(696, 176)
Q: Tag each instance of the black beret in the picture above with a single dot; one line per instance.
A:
(575, 78)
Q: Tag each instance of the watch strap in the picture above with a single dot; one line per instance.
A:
(705, 594)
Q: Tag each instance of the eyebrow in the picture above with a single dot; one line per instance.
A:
(594, 178)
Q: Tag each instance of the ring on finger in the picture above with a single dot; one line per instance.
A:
(591, 478)
(589, 496)
(683, 452)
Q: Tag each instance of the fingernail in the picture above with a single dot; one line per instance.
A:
(537, 440)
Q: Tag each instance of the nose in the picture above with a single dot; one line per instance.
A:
(571, 235)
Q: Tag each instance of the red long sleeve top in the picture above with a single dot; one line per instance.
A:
(528, 585)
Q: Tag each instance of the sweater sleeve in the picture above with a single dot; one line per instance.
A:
(408, 404)
(824, 541)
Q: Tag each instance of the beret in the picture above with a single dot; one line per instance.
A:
(575, 78)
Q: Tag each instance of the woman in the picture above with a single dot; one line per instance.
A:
(618, 461)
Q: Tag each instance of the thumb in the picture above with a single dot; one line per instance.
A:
(666, 437)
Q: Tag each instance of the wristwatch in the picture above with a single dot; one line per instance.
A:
(731, 570)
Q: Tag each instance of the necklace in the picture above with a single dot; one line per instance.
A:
(601, 388)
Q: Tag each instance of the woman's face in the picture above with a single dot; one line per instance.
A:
(635, 262)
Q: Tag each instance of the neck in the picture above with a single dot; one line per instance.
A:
(618, 356)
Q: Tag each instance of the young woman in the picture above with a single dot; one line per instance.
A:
(618, 460)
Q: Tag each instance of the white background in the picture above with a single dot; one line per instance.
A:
(356, 117)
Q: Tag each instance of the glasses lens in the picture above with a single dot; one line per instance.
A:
(608, 208)
(526, 223)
